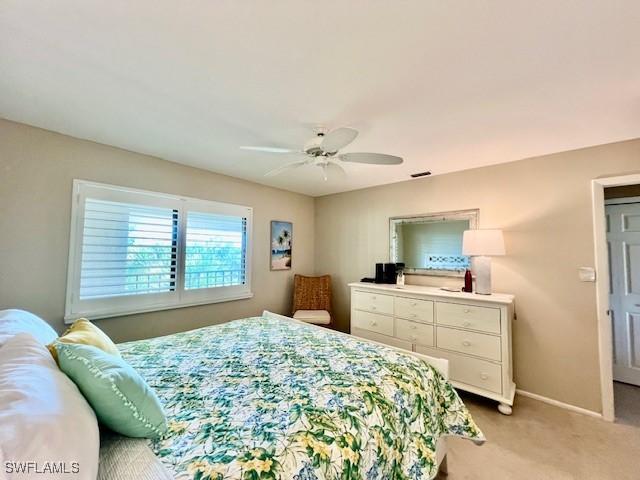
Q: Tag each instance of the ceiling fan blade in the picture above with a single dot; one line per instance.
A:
(269, 149)
(338, 138)
(335, 166)
(372, 158)
(286, 166)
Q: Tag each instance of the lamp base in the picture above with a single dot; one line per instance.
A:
(482, 266)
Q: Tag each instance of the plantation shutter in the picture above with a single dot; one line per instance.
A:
(127, 249)
(215, 252)
(134, 251)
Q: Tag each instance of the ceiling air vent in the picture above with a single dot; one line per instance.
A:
(420, 174)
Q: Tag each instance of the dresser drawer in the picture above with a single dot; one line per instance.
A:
(373, 302)
(479, 344)
(373, 322)
(470, 371)
(414, 332)
(484, 319)
(414, 309)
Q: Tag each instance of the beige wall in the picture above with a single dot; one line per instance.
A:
(543, 205)
(36, 172)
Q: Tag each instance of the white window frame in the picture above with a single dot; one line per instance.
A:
(130, 304)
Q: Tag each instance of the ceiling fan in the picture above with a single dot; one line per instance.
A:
(322, 151)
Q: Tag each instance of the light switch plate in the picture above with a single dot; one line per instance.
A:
(587, 274)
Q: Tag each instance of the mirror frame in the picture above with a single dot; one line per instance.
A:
(473, 215)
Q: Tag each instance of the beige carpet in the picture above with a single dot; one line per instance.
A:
(540, 442)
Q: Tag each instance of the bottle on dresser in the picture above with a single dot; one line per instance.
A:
(400, 274)
(468, 282)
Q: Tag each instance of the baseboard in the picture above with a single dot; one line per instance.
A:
(557, 403)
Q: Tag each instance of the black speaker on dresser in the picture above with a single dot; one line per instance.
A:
(390, 273)
(379, 273)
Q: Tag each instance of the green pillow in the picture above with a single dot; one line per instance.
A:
(120, 397)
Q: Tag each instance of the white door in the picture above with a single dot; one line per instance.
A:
(623, 236)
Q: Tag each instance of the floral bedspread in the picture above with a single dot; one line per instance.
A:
(265, 398)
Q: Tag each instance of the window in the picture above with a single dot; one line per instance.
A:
(215, 250)
(134, 251)
(127, 249)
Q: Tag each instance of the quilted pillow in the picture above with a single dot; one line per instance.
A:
(120, 397)
(84, 332)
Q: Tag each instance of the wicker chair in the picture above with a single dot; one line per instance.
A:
(312, 299)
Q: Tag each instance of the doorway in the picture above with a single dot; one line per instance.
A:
(605, 292)
(622, 210)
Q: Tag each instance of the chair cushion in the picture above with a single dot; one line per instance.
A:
(317, 317)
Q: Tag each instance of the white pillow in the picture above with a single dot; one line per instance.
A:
(15, 321)
(46, 426)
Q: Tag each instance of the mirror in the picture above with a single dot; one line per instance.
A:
(431, 244)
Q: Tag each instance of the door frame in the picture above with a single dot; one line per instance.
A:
(622, 201)
(605, 331)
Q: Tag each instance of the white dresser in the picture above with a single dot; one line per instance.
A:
(472, 331)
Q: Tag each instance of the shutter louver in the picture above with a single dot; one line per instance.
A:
(215, 250)
(127, 249)
(134, 251)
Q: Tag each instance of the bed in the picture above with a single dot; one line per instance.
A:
(272, 398)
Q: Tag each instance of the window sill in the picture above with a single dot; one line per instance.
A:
(68, 319)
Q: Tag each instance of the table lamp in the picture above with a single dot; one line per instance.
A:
(482, 245)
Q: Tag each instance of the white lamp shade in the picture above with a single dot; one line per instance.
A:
(482, 243)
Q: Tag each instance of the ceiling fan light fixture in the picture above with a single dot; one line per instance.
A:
(314, 146)
(322, 150)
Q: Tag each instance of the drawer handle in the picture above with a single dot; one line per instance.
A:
(413, 315)
(414, 304)
(466, 310)
(484, 376)
(373, 323)
(466, 343)
(373, 297)
(373, 307)
(412, 327)
(466, 324)
(413, 338)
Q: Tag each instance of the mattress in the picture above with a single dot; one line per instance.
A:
(269, 398)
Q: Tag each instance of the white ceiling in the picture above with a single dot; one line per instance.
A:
(448, 85)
